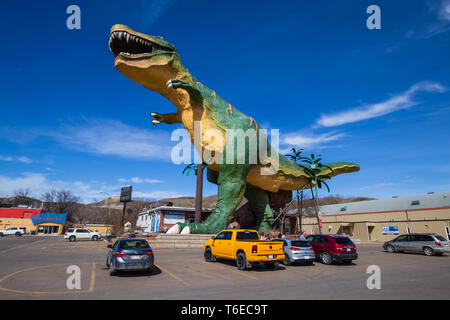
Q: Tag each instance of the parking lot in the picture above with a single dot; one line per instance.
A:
(34, 267)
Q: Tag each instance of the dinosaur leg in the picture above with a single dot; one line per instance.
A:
(258, 201)
(169, 118)
(231, 189)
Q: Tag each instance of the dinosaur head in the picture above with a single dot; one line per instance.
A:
(147, 60)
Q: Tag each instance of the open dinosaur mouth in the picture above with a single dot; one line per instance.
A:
(122, 42)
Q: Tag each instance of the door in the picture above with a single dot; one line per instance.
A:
(313, 240)
(447, 233)
(421, 241)
(400, 242)
(218, 244)
(370, 230)
(227, 245)
(82, 234)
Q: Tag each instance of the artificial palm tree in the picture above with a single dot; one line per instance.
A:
(316, 179)
(295, 156)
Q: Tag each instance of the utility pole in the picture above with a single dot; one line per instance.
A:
(199, 193)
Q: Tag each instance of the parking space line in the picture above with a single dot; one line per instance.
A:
(92, 283)
(172, 275)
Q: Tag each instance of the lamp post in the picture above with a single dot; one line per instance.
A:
(109, 210)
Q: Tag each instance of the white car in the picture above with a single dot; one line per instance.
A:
(74, 234)
(18, 231)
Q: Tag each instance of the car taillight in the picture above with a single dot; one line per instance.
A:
(150, 253)
(295, 249)
(437, 243)
(119, 254)
(339, 247)
(255, 249)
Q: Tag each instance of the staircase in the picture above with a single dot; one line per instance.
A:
(179, 241)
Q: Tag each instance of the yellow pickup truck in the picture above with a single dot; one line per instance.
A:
(245, 247)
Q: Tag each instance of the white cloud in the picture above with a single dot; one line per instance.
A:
(110, 137)
(378, 185)
(159, 194)
(398, 102)
(309, 140)
(39, 183)
(139, 180)
(17, 159)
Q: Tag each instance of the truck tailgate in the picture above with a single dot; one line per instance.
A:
(270, 247)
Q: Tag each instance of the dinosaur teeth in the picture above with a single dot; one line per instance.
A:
(122, 42)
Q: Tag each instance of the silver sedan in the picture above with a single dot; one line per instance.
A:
(296, 250)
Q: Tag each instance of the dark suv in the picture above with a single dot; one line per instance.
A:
(330, 248)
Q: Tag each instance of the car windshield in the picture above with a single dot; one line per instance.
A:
(440, 238)
(247, 235)
(133, 244)
(343, 240)
(301, 244)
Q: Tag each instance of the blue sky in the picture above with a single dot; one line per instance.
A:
(314, 71)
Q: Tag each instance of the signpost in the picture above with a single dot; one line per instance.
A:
(125, 196)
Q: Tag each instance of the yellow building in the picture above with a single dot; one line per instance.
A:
(383, 220)
(40, 223)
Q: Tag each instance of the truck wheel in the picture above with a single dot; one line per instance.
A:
(72, 238)
(18, 234)
(208, 255)
(241, 261)
(325, 257)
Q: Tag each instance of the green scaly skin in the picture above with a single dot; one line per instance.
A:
(160, 69)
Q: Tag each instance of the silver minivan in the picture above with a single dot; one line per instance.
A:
(429, 243)
(296, 250)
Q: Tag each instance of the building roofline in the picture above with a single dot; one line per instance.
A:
(172, 208)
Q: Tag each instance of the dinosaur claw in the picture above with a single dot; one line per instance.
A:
(174, 230)
(186, 230)
(155, 122)
(153, 114)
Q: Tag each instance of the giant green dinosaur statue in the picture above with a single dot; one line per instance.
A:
(155, 64)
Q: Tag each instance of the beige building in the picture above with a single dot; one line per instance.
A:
(382, 220)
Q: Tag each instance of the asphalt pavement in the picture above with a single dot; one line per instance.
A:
(34, 267)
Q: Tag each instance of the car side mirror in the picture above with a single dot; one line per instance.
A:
(213, 237)
(110, 246)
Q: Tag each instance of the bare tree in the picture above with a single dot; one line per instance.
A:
(61, 201)
(22, 197)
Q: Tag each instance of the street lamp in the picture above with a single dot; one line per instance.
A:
(109, 210)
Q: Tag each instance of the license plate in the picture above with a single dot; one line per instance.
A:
(348, 249)
(135, 257)
(307, 257)
(272, 256)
